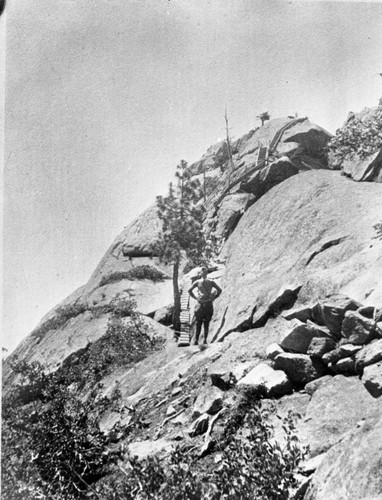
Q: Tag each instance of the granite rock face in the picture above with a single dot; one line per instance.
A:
(352, 468)
(336, 407)
(308, 241)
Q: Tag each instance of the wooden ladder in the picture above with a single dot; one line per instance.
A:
(184, 338)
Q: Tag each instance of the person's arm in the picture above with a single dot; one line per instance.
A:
(218, 289)
(190, 291)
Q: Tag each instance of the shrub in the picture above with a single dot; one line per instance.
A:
(378, 230)
(52, 445)
(125, 343)
(358, 138)
(249, 466)
(61, 316)
(136, 273)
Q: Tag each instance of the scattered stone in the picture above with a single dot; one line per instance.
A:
(209, 401)
(303, 484)
(357, 329)
(199, 426)
(319, 346)
(331, 312)
(368, 355)
(344, 351)
(264, 378)
(345, 366)
(170, 411)
(222, 381)
(372, 378)
(163, 315)
(352, 468)
(302, 313)
(309, 466)
(300, 368)
(367, 311)
(180, 420)
(298, 340)
(273, 350)
(144, 449)
(176, 391)
(239, 370)
(312, 387)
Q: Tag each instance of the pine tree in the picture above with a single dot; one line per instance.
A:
(263, 117)
(181, 213)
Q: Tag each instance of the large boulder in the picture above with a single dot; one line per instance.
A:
(351, 469)
(336, 407)
(371, 353)
(372, 378)
(343, 351)
(264, 179)
(267, 381)
(301, 235)
(300, 337)
(358, 330)
(300, 368)
(331, 312)
(364, 169)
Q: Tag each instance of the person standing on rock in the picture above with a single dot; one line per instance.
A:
(204, 308)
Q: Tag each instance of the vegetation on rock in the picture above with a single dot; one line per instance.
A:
(263, 117)
(358, 137)
(144, 272)
(61, 316)
(182, 228)
(246, 464)
(126, 342)
(52, 445)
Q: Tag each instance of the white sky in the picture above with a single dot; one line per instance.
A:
(103, 98)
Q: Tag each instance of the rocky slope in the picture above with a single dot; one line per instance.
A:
(300, 264)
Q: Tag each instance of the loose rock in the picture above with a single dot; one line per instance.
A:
(266, 379)
(344, 351)
(273, 350)
(300, 368)
(331, 312)
(312, 387)
(209, 401)
(372, 378)
(345, 366)
(372, 353)
(199, 426)
(357, 329)
(299, 339)
(320, 346)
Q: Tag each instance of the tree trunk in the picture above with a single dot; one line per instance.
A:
(177, 306)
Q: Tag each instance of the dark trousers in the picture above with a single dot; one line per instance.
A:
(203, 315)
